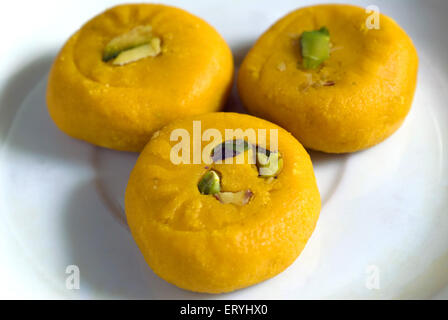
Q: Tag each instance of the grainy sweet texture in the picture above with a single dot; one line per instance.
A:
(354, 100)
(120, 105)
(201, 244)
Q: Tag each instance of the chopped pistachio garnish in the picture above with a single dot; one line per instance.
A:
(147, 50)
(229, 149)
(210, 183)
(240, 198)
(134, 45)
(269, 163)
(315, 47)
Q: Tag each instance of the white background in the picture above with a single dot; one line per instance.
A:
(33, 31)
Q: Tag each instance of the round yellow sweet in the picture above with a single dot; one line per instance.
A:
(354, 100)
(200, 244)
(119, 107)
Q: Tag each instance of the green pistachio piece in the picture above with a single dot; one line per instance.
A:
(240, 198)
(269, 164)
(210, 183)
(315, 47)
(139, 36)
(147, 50)
(229, 149)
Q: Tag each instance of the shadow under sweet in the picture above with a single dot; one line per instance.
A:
(110, 263)
(19, 86)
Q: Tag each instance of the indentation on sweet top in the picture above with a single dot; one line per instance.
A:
(341, 50)
(210, 184)
(137, 44)
(267, 163)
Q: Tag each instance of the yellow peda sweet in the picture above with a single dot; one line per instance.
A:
(133, 69)
(353, 99)
(217, 227)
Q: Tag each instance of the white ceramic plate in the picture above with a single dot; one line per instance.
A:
(383, 231)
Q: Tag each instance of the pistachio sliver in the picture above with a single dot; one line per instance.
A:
(229, 149)
(147, 50)
(240, 198)
(269, 165)
(210, 183)
(137, 37)
(315, 47)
